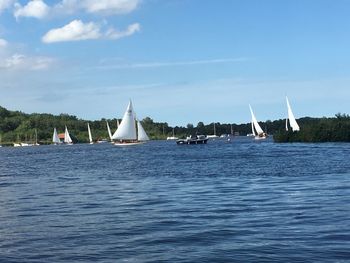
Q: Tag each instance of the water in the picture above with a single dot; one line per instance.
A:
(242, 201)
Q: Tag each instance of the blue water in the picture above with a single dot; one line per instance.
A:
(242, 201)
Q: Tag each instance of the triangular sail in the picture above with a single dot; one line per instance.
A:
(253, 131)
(89, 131)
(255, 123)
(142, 135)
(127, 128)
(55, 138)
(293, 123)
(109, 131)
(67, 138)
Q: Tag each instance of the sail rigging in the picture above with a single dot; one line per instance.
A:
(127, 127)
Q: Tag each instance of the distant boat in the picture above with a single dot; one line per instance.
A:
(36, 138)
(127, 133)
(292, 122)
(194, 139)
(109, 132)
(89, 131)
(55, 139)
(213, 136)
(257, 132)
(67, 138)
(172, 138)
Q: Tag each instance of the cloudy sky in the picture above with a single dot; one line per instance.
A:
(180, 61)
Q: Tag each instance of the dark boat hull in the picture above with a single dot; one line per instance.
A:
(192, 141)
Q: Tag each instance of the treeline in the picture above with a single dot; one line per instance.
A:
(16, 126)
(336, 129)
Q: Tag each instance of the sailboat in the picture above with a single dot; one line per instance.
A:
(90, 137)
(170, 138)
(55, 139)
(127, 134)
(258, 133)
(292, 122)
(109, 132)
(67, 138)
(36, 138)
(214, 135)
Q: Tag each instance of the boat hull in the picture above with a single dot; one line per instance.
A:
(193, 141)
(125, 144)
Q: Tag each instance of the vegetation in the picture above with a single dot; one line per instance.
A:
(335, 129)
(16, 126)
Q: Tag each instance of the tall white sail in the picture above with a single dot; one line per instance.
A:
(67, 138)
(89, 131)
(55, 138)
(255, 123)
(109, 131)
(253, 131)
(142, 135)
(293, 123)
(127, 128)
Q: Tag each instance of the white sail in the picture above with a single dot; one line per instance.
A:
(55, 138)
(255, 123)
(127, 128)
(67, 138)
(89, 131)
(253, 131)
(142, 135)
(109, 131)
(293, 123)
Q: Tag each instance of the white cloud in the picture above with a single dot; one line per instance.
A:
(115, 34)
(34, 8)
(3, 43)
(4, 4)
(173, 64)
(77, 30)
(110, 6)
(23, 62)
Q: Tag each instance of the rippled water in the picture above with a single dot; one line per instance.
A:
(242, 201)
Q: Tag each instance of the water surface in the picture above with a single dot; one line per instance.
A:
(242, 201)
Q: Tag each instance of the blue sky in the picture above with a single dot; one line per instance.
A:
(180, 61)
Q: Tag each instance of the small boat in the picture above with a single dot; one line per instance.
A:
(259, 134)
(128, 133)
(172, 138)
(55, 139)
(90, 136)
(109, 132)
(194, 139)
(67, 138)
(213, 136)
(292, 121)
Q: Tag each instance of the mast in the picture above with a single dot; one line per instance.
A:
(231, 129)
(214, 129)
(36, 137)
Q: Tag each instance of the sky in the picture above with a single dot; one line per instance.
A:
(179, 61)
